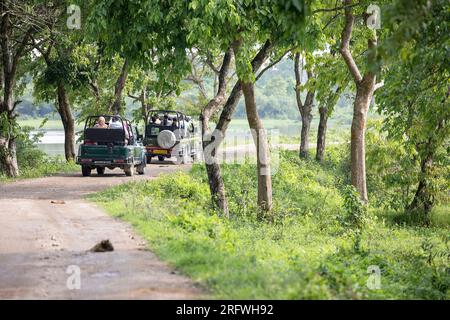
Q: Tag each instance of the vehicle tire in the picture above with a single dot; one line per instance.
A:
(86, 171)
(149, 160)
(129, 170)
(101, 171)
(140, 169)
(161, 158)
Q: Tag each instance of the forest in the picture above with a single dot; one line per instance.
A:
(366, 190)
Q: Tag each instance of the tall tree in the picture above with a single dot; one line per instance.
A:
(152, 90)
(259, 137)
(215, 180)
(332, 80)
(365, 88)
(19, 21)
(56, 76)
(305, 107)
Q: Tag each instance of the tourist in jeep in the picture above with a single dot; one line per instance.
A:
(101, 123)
(166, 120)
(174, 122)
(115, 123)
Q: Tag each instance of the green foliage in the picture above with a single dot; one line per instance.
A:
(35, 163)
(241, 189)
(415, 98)
(357, 212)
(306, 252)
(391, 171)
(152, 28)
(28, 155)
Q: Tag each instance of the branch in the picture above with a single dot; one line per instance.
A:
(270, 65)
(378, 85)
(298, 80)
(132, 96)
(168, 93)
(199, 82)
(223, 72)
(95, 89)
(46, 54)
(211, 64)
(16, 103)
(236, 92)
(331, 20)
(215, 103)
(20, 49)
(345, 43)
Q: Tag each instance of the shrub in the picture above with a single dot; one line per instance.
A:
(34, 162)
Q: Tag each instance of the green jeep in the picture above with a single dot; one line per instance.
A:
(110, 142)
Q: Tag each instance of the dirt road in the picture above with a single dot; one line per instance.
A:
(43, 245)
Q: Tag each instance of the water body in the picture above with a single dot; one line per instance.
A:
(52, 142)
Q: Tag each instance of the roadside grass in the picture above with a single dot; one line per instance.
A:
(308, 248)
(48, 166)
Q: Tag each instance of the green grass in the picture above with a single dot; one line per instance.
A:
(308, 249)
(48, 166)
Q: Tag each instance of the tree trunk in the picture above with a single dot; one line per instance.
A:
(68, 122)
(262, 148)
(144, 107)
(116, 106)
(216, 185)
(321, 133)
(423, 199)
(306, 126)
(324, 112)
(8, 155)
(305, 108)
(8, 158)
(364, 93)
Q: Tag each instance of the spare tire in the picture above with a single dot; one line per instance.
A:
(166, 139)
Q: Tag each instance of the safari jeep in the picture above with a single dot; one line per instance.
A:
(108, 146)
(169, 134)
